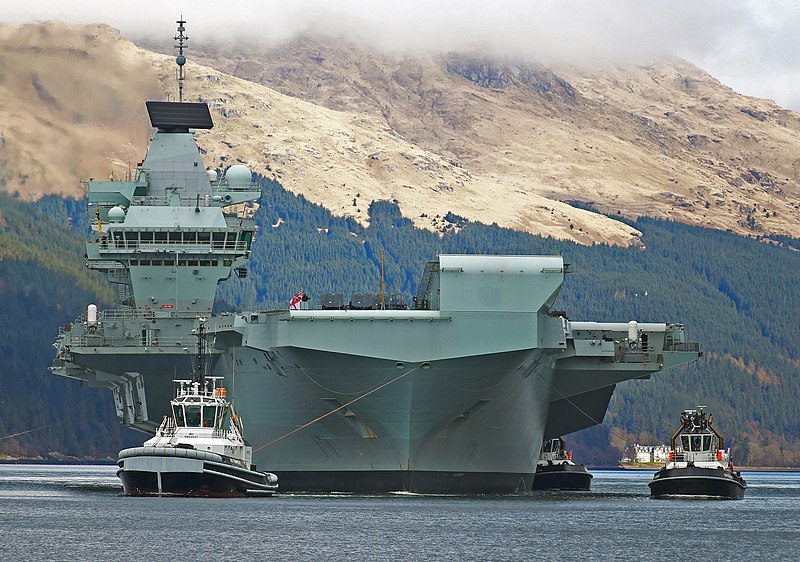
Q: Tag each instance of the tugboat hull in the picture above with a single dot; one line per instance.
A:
(562, 477)
(155, 471)
(697, 481)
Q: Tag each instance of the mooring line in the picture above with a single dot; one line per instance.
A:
(28, 431)
(325, 415)
(565, 397)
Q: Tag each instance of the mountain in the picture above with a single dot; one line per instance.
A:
(664, 140)
(531, 147)
(383, 144)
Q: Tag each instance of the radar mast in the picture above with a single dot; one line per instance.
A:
(180, 59)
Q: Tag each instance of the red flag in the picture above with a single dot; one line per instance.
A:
(296, 300)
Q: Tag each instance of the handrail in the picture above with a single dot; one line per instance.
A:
(170, 246)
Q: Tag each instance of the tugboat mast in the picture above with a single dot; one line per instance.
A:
(200, 368)
(180, 59)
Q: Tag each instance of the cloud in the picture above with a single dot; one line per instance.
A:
(749, 45)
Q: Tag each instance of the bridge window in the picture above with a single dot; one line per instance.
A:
(175, 238)
(209, 414)
(147, 236)
(177, 411)
(706, 442)
(685, 442)
(193, 416)
(161, 237)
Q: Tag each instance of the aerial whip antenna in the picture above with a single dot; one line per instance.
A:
(180, 59)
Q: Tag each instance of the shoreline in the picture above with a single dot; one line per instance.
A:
(109, 461)
(69, 461)
(658, 466)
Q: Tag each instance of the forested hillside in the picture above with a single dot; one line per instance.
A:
(43, 285)
(735, 295)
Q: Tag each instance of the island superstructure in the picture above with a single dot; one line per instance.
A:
(455, 395)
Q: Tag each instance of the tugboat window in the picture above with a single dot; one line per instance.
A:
(706, 442)
(193, 416)
(178, 411)
(697, 441)
(209, 412)
(685, 442)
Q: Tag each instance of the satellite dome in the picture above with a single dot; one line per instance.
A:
(212, 175)
(181, 60)
(239, 176)
(116, 214)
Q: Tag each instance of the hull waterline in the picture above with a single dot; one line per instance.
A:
(562, 477)
(697, 481)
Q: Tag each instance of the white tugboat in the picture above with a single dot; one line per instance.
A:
(199, 450)
(698, 463)
(556, 471)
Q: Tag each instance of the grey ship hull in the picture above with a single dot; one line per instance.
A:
(430, 418)
(461, 425)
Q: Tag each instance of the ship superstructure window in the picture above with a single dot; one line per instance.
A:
(175, 237)
(147, 236)
(178, 413)
(161, 237)
(685, 442)
(209, 415)
(706, 442)
(193, 415)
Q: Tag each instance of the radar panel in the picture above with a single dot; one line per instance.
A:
(168, 115)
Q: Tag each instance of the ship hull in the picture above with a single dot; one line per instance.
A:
(160, 471)
(349, 423)
(562, 476)
(697, 481)
(417, 481)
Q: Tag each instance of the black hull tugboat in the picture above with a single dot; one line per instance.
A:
(199, 450)
(698, 464)
(556, 471)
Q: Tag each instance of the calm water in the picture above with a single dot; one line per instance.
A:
(78, 513)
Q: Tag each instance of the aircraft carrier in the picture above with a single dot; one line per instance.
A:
(454, 395)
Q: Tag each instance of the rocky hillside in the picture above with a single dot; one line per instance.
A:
(664, 140)
(492, 140)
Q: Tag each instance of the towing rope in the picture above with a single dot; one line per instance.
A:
(325, 415)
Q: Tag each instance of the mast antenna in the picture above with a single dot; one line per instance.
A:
(180, 59)
(200, 369)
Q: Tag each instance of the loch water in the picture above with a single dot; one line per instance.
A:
(78, 513)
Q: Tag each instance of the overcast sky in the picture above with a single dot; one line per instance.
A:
(750, 45)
